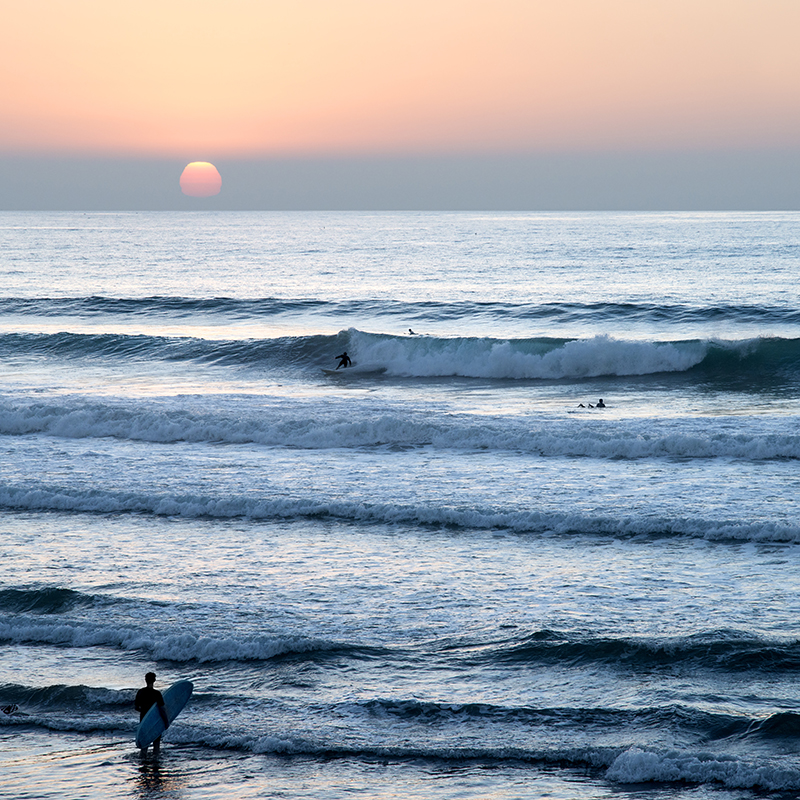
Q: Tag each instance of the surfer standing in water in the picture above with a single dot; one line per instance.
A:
(344, 360)
(145, 699)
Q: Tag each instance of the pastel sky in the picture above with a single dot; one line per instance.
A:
(244, 79)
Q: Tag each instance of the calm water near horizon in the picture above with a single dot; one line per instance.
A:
(440, 573)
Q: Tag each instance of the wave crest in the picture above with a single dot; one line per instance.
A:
(296, 426)
(437, 356)
(643, 766)
(47, 498)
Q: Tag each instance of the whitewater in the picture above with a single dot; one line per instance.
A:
(442, 572)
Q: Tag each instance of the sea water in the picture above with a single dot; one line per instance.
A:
(443, 572)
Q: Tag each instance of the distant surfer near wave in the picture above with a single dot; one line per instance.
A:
(344, 360)
(411, 333)
(145, 699)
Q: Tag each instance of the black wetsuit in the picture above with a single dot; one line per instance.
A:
(145, 699)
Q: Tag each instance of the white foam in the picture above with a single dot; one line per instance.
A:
(182, 647)
(331, 426)
(492, 358)
(93, 501)
(644, 766)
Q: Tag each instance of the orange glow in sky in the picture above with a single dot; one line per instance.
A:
(251, 77)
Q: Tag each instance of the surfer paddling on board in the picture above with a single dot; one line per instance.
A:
(145, 699)
(600, 404)
(344, 360)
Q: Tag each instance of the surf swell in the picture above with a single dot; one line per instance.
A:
(295, 425)
(420, 312)
(747, 361)
(558, 359)
(185, 647)
(729, 651)
(49, 600)
(50, 498)
(52, 708)
(637, 765)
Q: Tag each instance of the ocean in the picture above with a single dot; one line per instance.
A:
(442, 572)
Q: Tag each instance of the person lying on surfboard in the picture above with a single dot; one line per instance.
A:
(344, 360)
(147, 697)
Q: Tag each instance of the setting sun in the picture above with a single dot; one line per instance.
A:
(200, 179)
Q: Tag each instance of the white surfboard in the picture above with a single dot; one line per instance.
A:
(152, 726)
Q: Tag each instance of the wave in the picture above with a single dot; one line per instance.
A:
(637, 765)
(69, 698)
(97, 306)
(264, 352)
(47, 600)
(704, 724)
(299, 426)
(183, 647)
(576, 359)
(107, 711)
(599, 313)
(634, 765)
(748, 362)
(717, 650)
(50, 498)
(723, 650)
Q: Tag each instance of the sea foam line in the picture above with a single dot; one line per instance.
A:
(173, 647)
(643, 766)
(46, 498)
(335, 427)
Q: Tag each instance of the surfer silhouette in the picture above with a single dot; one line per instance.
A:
(344, 360)
(145, 699)
(600, 403)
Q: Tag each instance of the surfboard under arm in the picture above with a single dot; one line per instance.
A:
(152, 725)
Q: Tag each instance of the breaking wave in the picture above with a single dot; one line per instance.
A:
(440, 357)
(97, 501)
(297, 426)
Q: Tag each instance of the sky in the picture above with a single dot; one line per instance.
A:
(514, 104)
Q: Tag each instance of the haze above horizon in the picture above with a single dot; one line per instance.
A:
(247, 80)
